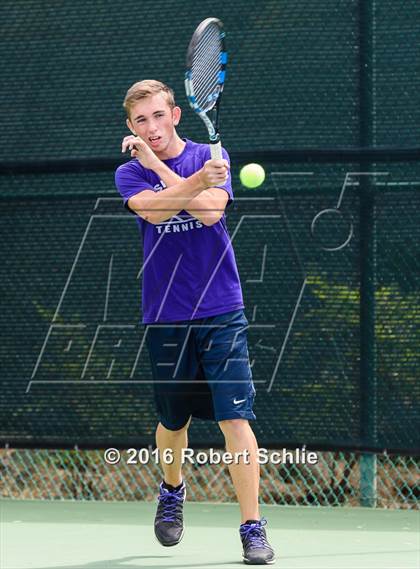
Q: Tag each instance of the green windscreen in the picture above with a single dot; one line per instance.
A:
(75, 366)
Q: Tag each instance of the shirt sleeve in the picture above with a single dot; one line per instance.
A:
(130, 182)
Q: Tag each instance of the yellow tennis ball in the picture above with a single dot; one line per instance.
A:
(252, 175)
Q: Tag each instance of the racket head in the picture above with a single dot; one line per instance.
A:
(206, 70)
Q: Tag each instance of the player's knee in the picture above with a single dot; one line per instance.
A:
(233, 426)
(174, 433)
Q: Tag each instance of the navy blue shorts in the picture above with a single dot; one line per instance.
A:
(201, 369)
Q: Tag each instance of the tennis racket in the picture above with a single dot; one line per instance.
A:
(205, 77)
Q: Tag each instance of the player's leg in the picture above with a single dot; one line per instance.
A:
(225, 359)
(176, 441)
(169, 519)
(246, 478)
(245, 475)
(171, 373)
(224, 356)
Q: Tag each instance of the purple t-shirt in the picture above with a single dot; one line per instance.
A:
(189, 269)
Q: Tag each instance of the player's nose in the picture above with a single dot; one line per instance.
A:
(152, 128)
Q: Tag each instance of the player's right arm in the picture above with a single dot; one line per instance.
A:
(156, 207)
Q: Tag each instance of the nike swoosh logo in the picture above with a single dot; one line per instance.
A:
(236, 402)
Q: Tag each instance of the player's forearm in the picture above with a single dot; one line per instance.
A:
(168, 177)
(203, 207)
(163, 205)
(206, 208)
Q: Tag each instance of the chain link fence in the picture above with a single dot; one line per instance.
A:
(335, 480)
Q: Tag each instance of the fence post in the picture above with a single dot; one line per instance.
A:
(368, 387)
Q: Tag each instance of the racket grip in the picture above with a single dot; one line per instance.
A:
(216, 151)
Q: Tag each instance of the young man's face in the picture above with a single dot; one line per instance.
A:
(154, 121)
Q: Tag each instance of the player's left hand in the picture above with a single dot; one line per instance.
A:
(140, 150)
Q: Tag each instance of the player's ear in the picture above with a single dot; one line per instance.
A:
(176, 115)
(130, 126)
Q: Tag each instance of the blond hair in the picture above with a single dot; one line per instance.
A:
(147, 88)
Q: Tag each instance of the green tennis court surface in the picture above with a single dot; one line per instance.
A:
(100, 535)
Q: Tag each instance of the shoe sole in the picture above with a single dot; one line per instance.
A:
(248, 562)
(171, 544)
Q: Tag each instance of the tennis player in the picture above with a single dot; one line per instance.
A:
(196, 329)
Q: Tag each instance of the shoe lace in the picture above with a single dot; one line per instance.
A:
(170, 501)
(253, 534)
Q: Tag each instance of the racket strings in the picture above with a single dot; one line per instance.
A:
(204, 88)
(205, 85)
(206, 67)
(211, 66)
(211, 37)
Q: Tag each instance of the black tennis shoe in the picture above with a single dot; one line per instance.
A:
(169, 523)
(257, 550)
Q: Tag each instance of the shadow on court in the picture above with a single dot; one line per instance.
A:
(126, 563)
